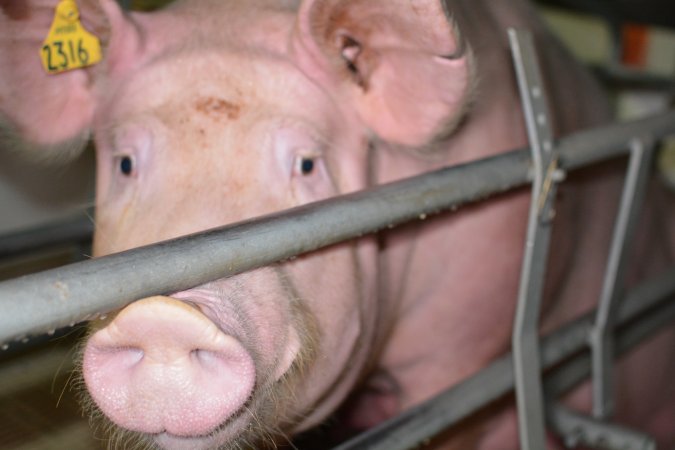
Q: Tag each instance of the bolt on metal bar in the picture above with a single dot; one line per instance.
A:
(652, 301)
(55, 298)
(525, 338)
(602, 338)
(579, 429)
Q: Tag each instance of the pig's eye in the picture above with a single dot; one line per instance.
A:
(310, 179)
(126, 165)
(305, 165)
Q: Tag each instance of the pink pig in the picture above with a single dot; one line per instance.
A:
(211, 112)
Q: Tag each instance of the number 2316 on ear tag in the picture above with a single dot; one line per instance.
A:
(68, 45)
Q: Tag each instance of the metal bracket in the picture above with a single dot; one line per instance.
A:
(545, 177)
(582, 430)
(576, 428)
(602, 335)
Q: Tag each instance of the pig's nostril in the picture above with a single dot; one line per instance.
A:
(131, 355)
(205, 357)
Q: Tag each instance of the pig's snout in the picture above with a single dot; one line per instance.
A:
(163, 366)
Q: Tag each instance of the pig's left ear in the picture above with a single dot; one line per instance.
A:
(405, 66)
(51, 115)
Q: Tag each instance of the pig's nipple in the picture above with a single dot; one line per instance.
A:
(163, 366)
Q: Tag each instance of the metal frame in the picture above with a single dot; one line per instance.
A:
(75, 230)
(602, 339)
(653, 300)
(546, 175)
(526, 362)
(55, 298)
(48, 300)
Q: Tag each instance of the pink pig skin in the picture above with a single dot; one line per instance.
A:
(211, 112)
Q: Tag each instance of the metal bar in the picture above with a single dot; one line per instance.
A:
(583, 430)
(525, 338)
(73, 436)
(55, 298)
(602, 339)
(621, 11)
(591, 146)
(577, 370)
(74, 230)
(654, 298)
(650, 319)
(619, 77)
(34, 368)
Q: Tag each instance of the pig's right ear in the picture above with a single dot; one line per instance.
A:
(52, 113)
(403, 62)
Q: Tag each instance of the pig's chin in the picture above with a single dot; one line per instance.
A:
(169, 442)
(234, 435)
(231, 435)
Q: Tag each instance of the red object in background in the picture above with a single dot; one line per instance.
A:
(635, 44)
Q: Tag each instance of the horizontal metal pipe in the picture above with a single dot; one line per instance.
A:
(615, 76)
(74, 230)
(75, 435)
(579, 429)
(34, 369)
(55, 298)
(564, 378)
(426, 420)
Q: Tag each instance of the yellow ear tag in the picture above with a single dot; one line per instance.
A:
(68, 45)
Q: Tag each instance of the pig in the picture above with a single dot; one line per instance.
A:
(209, 112)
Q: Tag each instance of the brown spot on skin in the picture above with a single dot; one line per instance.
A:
(217, 107)
(15, 10)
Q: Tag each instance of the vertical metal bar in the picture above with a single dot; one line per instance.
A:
(525, 339)
(602, 337)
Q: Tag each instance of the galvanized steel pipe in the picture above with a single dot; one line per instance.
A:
(44, 301)
(652, 302)
(73, 230)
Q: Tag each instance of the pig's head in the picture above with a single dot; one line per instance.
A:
(208, 113)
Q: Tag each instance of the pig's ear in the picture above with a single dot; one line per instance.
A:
(403, 61)
(51, 114)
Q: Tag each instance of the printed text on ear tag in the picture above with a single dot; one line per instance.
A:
(68, 45)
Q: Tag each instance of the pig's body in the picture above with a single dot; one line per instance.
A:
(213, 112)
